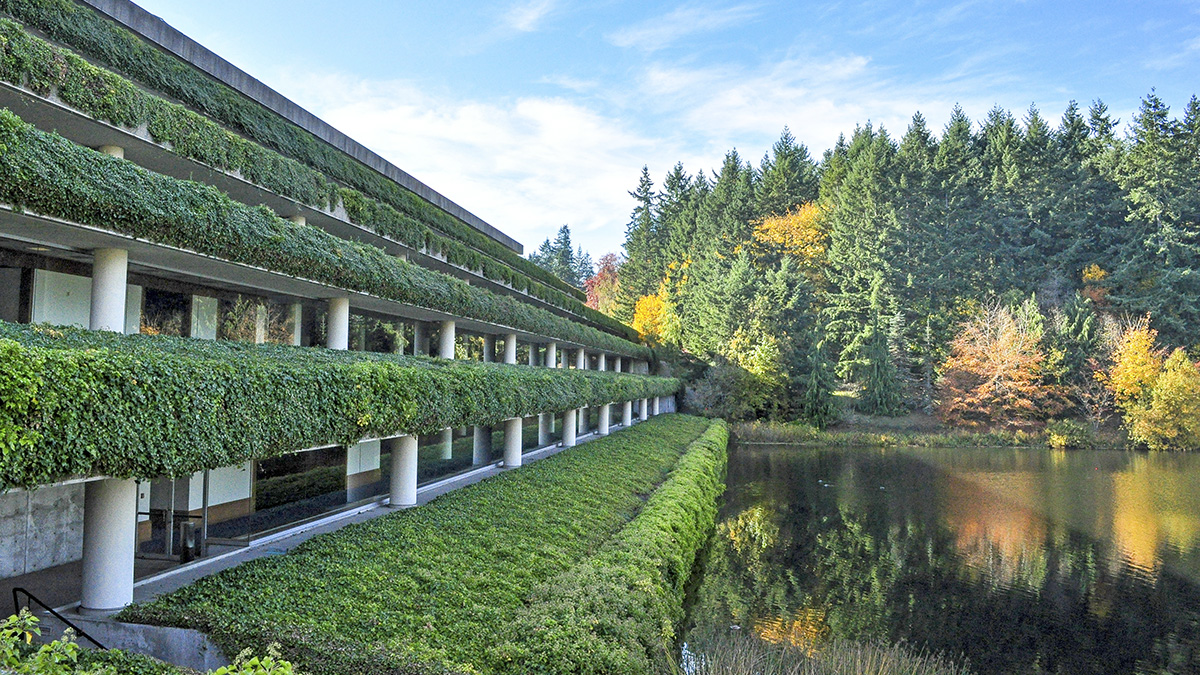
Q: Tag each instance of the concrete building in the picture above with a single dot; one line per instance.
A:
(64, 272)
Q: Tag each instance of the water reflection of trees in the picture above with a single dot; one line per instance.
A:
(818, 550)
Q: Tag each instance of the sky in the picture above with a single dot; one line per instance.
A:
(532, 114)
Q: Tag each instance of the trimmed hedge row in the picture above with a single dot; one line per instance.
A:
(30, 62)
(83, 403)
(120, 49)
(50, 175)
(617, 611)
(429, 589)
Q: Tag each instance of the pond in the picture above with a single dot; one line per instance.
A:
(1019, 561)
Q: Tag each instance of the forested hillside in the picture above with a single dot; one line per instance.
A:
(872, 265)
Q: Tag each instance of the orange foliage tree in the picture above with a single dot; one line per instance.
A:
(996, 374)
(602, 286)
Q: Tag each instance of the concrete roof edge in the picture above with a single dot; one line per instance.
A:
(163, 35)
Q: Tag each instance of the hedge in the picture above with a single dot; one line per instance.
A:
(430, 589)
(83, 403)
(30, 62)
(617, 611)
(50, 175)
(115, 47)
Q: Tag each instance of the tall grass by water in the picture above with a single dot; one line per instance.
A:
(743, 653)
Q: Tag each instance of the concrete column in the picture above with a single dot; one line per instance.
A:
(627, 414)
(482, 445)
(602, 362)
(204, 317)
(552, 355)
(447, 443)
(404, 470)
(510, 348)
(110, 272)
(544, 422)
(489, 348)
(568, 439)
(533, 353)
(109, 538)
(643, 410)
(512, 442)
(580, 359)
(337, 324)
(420, 339)
(617, 363)
(296, 312)
(582, 417)
(656, 408)
(446, 340)
(605, 413)
(260, 324)
(113, 151)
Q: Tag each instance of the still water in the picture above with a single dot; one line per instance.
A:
(1021, 561)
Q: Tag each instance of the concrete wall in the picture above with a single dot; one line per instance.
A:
(40, 528)
(66, 300)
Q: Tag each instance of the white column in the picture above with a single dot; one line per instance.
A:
(657, 407)
(404, 470)
(110, 271)
(605, 412)
(482, 449)
(627, 414)
(447, 443)
(602, 361)
(420, 339)
(617, 363)
(446, 340)
(489, 348)
(260, 324)
(337, 324)
(643, 410)
(510, 348)
(512, 442)
(296, 312)
(109, 538)
(552, 355)
(532, 353)
(544, 421)
(580, 359)
(568, 439)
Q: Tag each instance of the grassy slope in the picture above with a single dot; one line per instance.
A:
(434, 584)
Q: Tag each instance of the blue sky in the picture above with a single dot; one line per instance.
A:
(535, 113)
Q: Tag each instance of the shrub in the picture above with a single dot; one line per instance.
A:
(430, 589)
(1070, 435)
(617, 611)
(85, 403)
(1167, 416)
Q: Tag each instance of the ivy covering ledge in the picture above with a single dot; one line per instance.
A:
(50, 175)
(82, 403)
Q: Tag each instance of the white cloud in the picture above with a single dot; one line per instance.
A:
(660, 31)
(525, 16)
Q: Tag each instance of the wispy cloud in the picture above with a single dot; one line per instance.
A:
(525, 16)
(660, 31)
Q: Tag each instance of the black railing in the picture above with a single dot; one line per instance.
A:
(30, 597)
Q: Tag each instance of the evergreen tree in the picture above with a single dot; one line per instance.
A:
(789, 177)
(643, 267)
(573, 266)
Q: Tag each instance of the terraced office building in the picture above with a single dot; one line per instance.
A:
(221, 316)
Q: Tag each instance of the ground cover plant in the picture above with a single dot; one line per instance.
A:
(32, 63)
(85, 403)
(431, 588)
(47, 174)
(616, 611)
(1057, 435)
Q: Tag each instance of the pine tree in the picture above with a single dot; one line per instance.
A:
(573, 266)
(643, 268)
(789, 177)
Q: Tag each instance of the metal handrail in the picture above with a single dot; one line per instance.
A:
(30, 596)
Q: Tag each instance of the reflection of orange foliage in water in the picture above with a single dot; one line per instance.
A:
(1135, 522)
(994, 528)
(806, 630)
